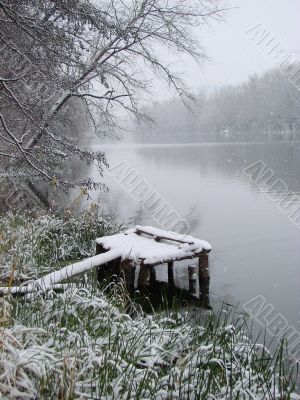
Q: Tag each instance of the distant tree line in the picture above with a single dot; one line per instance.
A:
(265, 107)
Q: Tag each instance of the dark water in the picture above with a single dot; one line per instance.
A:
(256, 247)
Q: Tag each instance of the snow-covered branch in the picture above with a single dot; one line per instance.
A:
(74, 59)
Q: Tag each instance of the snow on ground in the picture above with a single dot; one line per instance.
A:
(82, 344)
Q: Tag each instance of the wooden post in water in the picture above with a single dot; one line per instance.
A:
(171, 280)
(143, 275)
(204, 278)
(192, 279)
(152, 275)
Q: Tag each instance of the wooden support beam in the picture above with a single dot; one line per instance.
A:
(203, 266)
(171, 280)
(195, 255)
(152, 275)
(192, 278)
(204, 279)
(143, 275)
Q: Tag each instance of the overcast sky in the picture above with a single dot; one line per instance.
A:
(233, 55)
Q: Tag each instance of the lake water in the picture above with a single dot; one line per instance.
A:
(256, 247)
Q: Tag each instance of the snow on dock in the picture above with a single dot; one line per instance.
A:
(145, 247)
(154, 246)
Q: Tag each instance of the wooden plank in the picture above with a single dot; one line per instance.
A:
(140, 230)
(47, 281)
(195, 255)
(15, 290)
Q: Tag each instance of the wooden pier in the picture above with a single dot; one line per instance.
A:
(134, 256)
(145, 248)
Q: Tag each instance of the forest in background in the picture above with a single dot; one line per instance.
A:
(266, 107)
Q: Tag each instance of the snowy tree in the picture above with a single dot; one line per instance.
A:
(54, 52)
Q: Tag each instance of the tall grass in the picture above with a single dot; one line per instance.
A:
(82, 343)
(32, 244)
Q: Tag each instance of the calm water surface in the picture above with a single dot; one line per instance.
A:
(256, 248)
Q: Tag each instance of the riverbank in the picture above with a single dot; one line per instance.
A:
(90, 342)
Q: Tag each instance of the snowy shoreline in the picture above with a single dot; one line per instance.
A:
(86, 342)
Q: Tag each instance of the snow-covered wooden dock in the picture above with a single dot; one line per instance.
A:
(142, 247)
(145, 247)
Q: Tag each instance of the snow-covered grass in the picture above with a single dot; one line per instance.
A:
(33, 244)
(88, 342)
(83, 343)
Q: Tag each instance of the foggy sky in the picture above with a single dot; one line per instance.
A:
(233, 55)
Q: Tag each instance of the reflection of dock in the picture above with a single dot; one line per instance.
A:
(144, 249)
